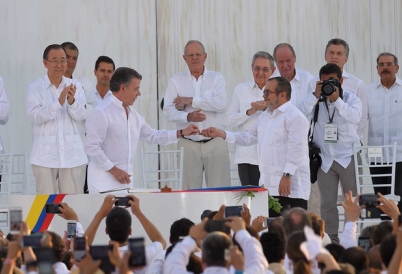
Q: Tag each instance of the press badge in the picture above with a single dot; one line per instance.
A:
(330, 133)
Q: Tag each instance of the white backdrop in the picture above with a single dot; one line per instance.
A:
(149, 35)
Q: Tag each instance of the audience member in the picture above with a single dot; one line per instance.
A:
(357, 257)
(336, 251)
(273, 246)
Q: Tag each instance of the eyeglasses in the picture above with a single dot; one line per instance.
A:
(57, 62)
(386, 65)
(198, 55)
(268, 92)
(258, 69)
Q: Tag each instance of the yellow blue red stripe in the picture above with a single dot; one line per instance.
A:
(37, 218)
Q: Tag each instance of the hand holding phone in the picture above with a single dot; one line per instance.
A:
(100, 252)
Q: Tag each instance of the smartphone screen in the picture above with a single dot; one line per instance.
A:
(122, 201)
(53, 208)
(80, 244)
(268, 221)
(233, 211)
(100, 252)
(72, 229)
(137, 248)
(45, 255)
(15, 220)
(364, 242)
(32, 240)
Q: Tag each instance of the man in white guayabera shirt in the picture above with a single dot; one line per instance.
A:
(247, 104)
(54, 105)
(385, 115)
(114, 130)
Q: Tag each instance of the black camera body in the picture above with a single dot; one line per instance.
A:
(328, 87)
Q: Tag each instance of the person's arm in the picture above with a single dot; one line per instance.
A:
(151, 230)
(255, 261)
(234, 116)
(395, 266)
(173, 115)
(350, 107)
(216, 101)
(390, 208)
(96, 128)
(309, 102)
(352, 212)
(77, 109)
(178, 259)
(37, 111)
(14, 251)
(4, 104)
(107, 205)
(362, 95)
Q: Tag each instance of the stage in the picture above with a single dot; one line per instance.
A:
(161, 208)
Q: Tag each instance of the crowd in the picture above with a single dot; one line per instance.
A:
(291, 243)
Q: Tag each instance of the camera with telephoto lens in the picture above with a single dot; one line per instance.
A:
(328, 86)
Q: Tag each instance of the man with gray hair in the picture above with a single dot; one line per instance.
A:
(384, 109)
(199, 96)
(247, 104)
(114, 130)
(285, 59)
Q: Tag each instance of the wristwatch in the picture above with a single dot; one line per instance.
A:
(288, 175)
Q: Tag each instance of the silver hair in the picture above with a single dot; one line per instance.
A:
(192, 42)
(265, 55)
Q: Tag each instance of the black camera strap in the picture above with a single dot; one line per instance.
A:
(331, 118)
(315, 118)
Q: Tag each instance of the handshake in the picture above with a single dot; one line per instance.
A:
(208, 132)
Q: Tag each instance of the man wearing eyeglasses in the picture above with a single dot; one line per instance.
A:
(54, 105)
(283, 149)
(199, 96)
(285, 59)
(385, 115)
(247, 104)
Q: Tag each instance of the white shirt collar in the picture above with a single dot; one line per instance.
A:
(190, 75)
(398, 81)
(47, 82)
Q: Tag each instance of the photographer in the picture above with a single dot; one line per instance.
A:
(335, 132)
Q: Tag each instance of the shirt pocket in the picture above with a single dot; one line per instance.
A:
(277, 137)
(73, 146)
(48, 149)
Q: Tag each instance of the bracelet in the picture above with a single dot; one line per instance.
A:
(9, 261)
(181, 133)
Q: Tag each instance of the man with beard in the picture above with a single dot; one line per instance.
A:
(385, 109)
(283, 162)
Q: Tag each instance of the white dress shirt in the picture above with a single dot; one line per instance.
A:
(56, 142)
(347, 116)
(93, 98)
(208, 93)
(87, 87)
(236, 117)
(254, 259)
(385, 114)
(299, 85)
(348, 236)
(156, 266)
(282, 138)
(4, 108)
(112, 140)
(355, 85)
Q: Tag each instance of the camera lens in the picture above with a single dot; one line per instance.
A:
(327, 89)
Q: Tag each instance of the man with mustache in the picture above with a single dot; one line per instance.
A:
(385, 113)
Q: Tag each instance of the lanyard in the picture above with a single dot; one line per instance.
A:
(331, 118)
